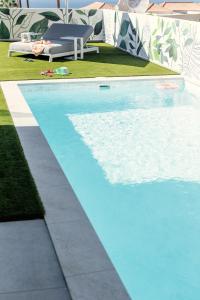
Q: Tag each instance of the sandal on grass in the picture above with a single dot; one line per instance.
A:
(47, 73)
(28, 60)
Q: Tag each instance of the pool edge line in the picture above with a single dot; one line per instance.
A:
(94, 79)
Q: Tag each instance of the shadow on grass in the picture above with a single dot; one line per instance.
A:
(4, 114)
(19, 199)
(107, 55)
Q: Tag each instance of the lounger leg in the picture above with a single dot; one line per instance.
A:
(98, 50)
(75, 49)
(50, 58)
(82, 52)
(9, 53)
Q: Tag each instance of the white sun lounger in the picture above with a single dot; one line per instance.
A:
(66, 40)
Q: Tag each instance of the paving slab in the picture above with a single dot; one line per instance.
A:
(27, 260)
(50, 294)
(79, 248)
(43, 164)
(61, 204)
(97, 286)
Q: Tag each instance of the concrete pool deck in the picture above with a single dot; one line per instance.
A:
(29, 266)
(88, 271)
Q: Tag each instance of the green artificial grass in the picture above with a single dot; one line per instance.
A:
(110, 62)
(19, 199)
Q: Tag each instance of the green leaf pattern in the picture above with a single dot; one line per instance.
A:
(122, 45)
(5, 11)
(169, 42)
(92, 12)
(124, 28)
(40, 26)
(98, 27)
(20, 19)
(4, 32)
(163, 42)
(50, 15)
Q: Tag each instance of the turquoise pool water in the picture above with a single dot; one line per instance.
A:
(131, 152)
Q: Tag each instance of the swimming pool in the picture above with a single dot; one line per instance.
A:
(131, 153)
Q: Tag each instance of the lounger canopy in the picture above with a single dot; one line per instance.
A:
(66, 39)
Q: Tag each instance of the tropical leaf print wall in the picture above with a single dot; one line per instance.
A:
(15, 21)
(172, 43)
(131, 36)
(165, 41)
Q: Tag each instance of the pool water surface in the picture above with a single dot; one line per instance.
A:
(131, 151)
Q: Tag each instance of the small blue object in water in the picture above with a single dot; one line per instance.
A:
(104, 86)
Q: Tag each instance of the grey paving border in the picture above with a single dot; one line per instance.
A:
(87, 269)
